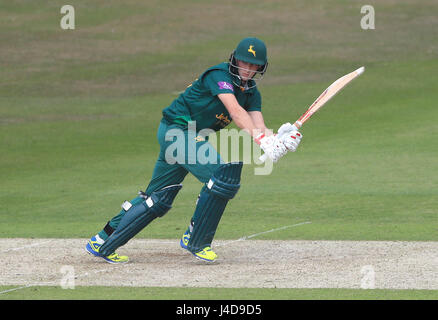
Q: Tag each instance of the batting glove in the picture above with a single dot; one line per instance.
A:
(272, 146)
(289, 135)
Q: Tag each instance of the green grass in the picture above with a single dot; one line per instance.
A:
(79, 111)
(159, 293)
(361, 173)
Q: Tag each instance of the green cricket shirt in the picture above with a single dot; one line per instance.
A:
(199, 102)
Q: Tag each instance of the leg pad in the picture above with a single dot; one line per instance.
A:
(139, 216)
(223, 186)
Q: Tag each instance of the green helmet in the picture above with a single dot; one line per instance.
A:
(250, 50)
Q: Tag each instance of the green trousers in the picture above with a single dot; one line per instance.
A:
(181, 152)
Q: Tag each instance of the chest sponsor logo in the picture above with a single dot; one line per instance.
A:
(225, 85)
(223, 120)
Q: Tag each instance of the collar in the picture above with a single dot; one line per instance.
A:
(249, 86)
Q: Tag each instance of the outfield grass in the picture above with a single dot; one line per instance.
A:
(361, 173)
(79, 111)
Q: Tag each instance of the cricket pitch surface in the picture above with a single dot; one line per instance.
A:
(241, 264)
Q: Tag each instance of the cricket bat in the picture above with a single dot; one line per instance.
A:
(328, 93)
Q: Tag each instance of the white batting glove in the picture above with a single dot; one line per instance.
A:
(289, 135)
(292, 140)
(272, 146)
(286, 128)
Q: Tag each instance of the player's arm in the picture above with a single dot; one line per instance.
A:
(239, 115)
(259, 122)
(269, 144)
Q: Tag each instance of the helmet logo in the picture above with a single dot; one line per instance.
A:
(252, 50)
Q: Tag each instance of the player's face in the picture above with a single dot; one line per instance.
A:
(246, 70)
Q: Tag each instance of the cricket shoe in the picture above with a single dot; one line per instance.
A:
(206, 254)
(185, 240)
(93, 246)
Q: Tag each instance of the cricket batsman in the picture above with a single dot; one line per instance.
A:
(223, 93)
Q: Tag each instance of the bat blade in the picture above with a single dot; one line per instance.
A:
(329, 93)
(324, 97)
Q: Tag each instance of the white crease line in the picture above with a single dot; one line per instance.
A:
(14, 289)
(56, 282)
(26, 246)
(260, 233)
(29, 286)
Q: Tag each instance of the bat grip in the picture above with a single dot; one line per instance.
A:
(297, 126)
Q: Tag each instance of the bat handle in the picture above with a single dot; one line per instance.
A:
(298, 124)
(264, 156)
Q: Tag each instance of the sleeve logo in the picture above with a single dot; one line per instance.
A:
(225, 85)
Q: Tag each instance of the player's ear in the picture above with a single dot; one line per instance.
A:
(263, 68)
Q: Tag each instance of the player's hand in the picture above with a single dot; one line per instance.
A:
(286, 128)
(289, 135)
(292, 140)
(272, 146)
